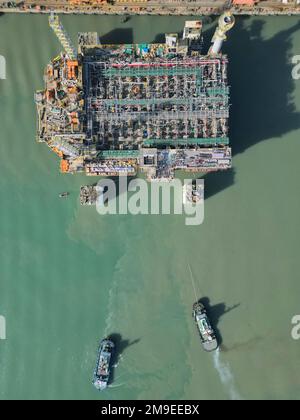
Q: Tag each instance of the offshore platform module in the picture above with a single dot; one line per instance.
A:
(108, 110)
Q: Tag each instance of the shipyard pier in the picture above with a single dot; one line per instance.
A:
(111, 110)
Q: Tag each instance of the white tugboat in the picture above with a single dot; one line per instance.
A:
(207, 334)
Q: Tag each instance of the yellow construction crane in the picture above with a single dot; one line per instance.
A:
(225, 23)
(61, 34)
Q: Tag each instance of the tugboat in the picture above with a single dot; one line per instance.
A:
(64, 195)
(102, 371)
(207, 334)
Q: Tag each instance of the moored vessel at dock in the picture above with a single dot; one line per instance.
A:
(207, 334)
(103, 366)
(193, 192)
(89, 194)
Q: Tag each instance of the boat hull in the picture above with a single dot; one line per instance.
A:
(103, 367)
(207, 335)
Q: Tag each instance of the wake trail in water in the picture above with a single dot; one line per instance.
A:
(113, 293)
(226, 376)
(115, 386)
(109, 319)
(111, 306)
(193, 282)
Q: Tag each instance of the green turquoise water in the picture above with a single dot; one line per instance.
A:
(69, 276)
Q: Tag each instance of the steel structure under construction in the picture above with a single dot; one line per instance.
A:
(112, 109)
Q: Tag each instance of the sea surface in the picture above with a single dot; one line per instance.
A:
(69, 276)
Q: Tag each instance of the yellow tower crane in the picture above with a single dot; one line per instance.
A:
(225, 23)
(61, 34)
